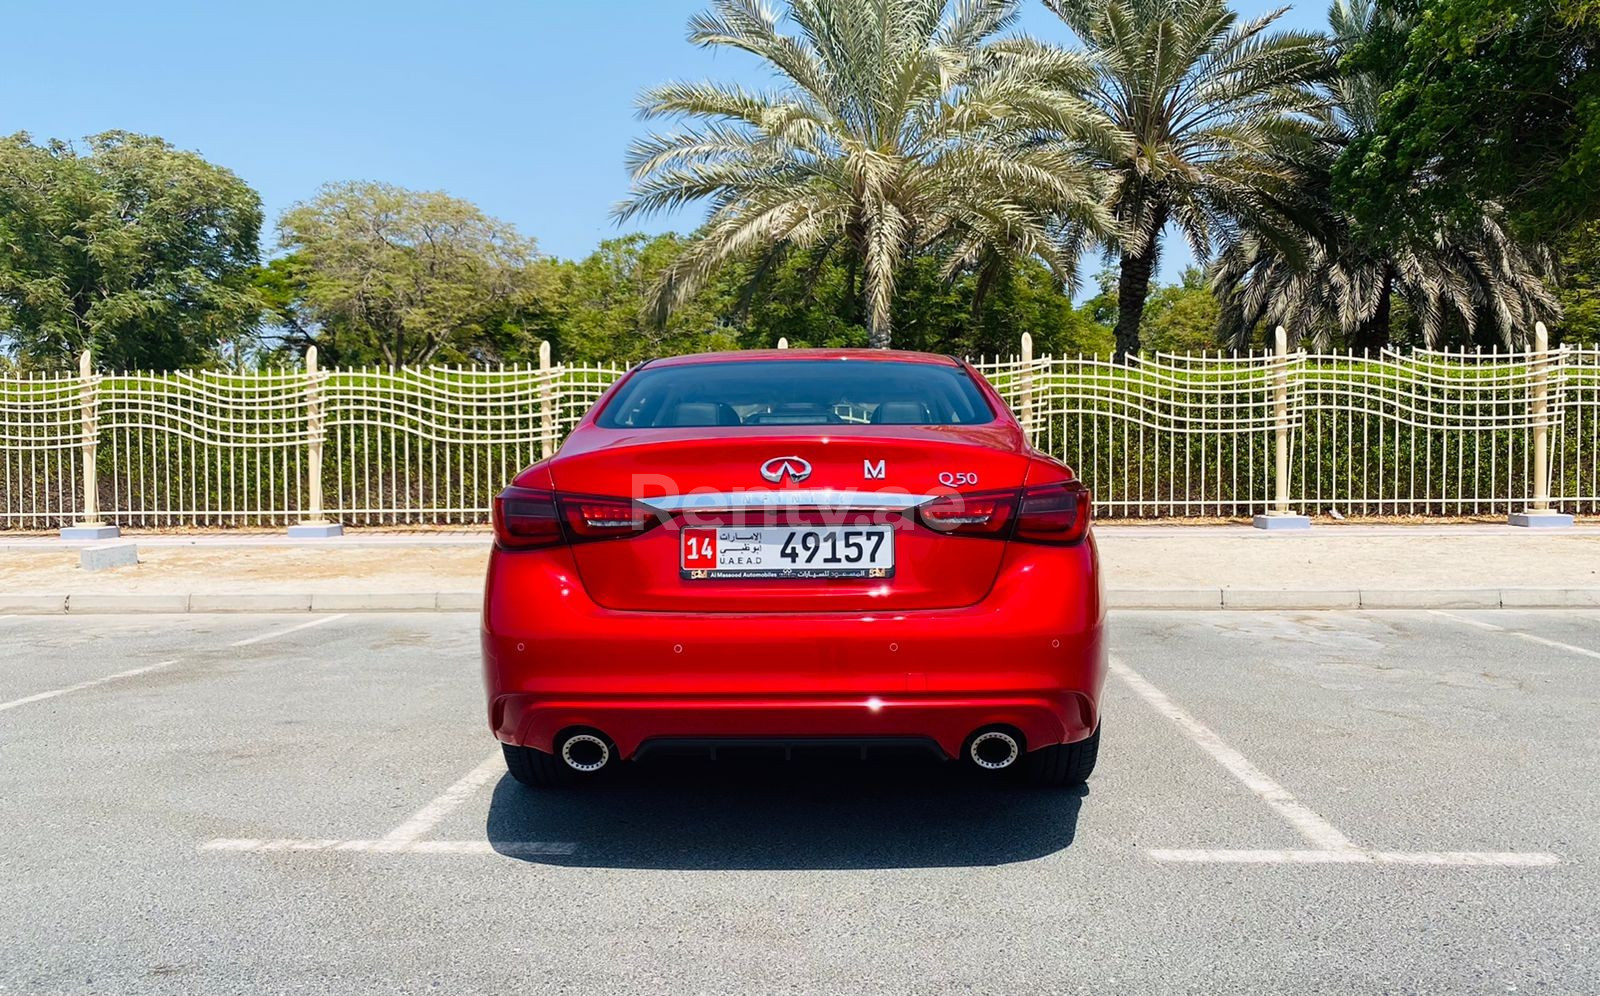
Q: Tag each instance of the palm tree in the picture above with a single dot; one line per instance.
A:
(1201, 104)
(895, 126)
(1296, 260)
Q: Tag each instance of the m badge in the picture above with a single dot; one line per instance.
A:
(872, 471)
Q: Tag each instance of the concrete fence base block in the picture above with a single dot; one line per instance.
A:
(1541, 520)
(1275, 521)
(104, 555)
(315, 530)
(87, 531)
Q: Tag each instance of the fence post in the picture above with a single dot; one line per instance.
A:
(1025, 400)
(1282, 515)
(547, 409)
(88, 526)
(1539, 512)
(314, 525)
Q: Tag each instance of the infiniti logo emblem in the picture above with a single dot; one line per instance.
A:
(775, 469)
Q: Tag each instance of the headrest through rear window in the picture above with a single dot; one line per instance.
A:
(690, 413)
(900, 413)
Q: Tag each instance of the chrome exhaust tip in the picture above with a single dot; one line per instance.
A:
(994, 750)
(585, 752)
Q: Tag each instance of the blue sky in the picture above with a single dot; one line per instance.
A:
(523, 106)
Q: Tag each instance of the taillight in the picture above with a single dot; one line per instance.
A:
(1047, 513)
(604, 518)
(984, 514)
(1053, 513)
(527, 520)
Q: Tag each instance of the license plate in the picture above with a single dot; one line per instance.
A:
(795, 552)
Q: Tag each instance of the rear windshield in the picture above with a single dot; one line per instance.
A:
(797, 392)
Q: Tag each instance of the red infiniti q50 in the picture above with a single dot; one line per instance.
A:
(795, 549)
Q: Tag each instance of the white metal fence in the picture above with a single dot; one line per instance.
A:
(1423, 433)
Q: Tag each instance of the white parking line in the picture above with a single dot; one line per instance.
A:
(1311, 826)
(513, 848)
(285, 632)
(1332, 847)
(449, 801)
(80, 686)
(1585, 651)
(407, 837)
(1503, 859)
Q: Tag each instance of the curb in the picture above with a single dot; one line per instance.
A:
(1353, 598)
(1169, 599)
(88, 603)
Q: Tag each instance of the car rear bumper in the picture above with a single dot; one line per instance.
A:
(1029, 656)
(534, 721)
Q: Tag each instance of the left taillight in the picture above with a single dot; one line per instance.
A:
(526, 520)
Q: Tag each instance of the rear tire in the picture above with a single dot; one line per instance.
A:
(536, 768)
(1061, 765)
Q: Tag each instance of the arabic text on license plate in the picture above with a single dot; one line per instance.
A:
(787, 552)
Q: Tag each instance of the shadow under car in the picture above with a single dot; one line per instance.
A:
(764, 814)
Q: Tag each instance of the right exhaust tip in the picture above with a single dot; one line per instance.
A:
(585, 752)
(994, 750)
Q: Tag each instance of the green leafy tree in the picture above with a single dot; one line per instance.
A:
(131, 248)
(287, 330)
(1182, 317)
(897, 125)
(402, 276)
(1300, 261)
(1580, 288)
(595, 308)
(1201, 104)
(1488, 100)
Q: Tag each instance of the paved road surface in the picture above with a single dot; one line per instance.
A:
(1309, 802)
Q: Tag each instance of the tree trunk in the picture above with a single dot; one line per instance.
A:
(880, 326)
(877, 286)
(1373, 334)
(1133, 286)
(852, 292)
(987, 275)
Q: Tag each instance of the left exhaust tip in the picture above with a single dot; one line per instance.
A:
(585, 752)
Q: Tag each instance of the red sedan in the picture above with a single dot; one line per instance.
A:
(795, 549)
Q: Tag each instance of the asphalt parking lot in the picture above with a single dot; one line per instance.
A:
(1404, 801)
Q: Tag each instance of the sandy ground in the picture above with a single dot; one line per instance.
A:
(1331, 557)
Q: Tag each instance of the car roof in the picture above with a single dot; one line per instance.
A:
(763, 355)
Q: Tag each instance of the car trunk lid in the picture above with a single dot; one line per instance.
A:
(847, 477)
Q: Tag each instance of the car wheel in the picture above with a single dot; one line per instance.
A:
(536, 768)
(1063, 764)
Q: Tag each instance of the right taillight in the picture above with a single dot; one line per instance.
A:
(987, 514)
(1053, 513)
